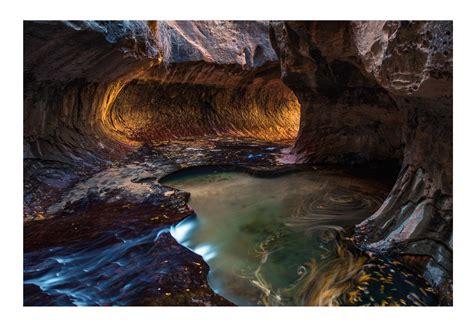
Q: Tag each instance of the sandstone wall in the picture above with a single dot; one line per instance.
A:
(378, 91)
(74, 72)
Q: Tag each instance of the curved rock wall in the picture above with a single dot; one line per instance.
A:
(95, 90)
(74, 72)
(377, 91)
(147, 110)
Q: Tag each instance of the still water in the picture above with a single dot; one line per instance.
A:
(262, 236)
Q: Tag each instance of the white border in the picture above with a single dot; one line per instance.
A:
(14, 12)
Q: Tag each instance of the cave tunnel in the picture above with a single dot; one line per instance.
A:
(159, 154)
(150, 110)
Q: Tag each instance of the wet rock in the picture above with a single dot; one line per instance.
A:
(142, 178)
(107, 211)
(381, 91)
(148, 270)
(183, 195)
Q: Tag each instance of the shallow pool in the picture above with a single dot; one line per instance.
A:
(263, 236)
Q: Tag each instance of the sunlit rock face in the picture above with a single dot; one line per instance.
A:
(381, 91)
(155, 111)
(217, 78)
(75, 72)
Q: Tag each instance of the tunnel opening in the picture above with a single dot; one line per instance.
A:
(148, 110)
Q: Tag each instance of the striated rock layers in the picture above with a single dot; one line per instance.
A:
(93, 91)
(381, 92)
(92, 87)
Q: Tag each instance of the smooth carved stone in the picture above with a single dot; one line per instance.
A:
(381, 92)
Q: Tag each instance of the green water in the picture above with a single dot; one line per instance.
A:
(259, 234)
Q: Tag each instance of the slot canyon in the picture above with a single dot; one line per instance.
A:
(238, 163)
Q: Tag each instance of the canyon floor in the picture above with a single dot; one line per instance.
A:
(105, 239)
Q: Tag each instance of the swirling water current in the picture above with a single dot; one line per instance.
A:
(259, 235)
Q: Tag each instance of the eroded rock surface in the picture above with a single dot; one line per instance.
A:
(74, 71)
(95, 91)
(381, 91)
(107, 241)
